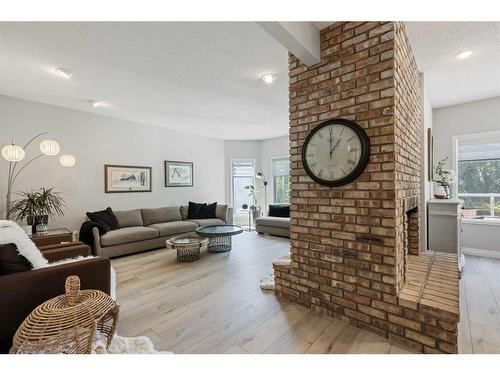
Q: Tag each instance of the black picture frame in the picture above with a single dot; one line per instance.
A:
(363, 161)
(172, 163)
(108, 183)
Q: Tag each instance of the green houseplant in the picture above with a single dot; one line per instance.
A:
(443, 178)
(37, 206)
(254, 208)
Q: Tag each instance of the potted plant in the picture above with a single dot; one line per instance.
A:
(254, 208)
(36, 208)
(444, 178)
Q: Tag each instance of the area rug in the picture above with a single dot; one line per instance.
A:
(126, 345)
(267, 282)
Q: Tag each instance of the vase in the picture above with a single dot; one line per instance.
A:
(39, 223)
(441, 192)
(256, 213)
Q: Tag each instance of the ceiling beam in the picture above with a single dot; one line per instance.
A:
(300, 38)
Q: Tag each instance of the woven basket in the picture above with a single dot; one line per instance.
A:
(68, 323)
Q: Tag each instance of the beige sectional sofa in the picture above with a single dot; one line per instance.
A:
(148, 228)
(276, 226)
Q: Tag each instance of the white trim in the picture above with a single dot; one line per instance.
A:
(443, 213)
(494, 222)
(481, 253)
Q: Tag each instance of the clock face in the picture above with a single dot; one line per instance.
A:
(336, 152)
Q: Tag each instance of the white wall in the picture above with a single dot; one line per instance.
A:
(261, 152)
(477, 235)
(468, 118)
(97, 140)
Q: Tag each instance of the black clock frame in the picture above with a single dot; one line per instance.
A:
(363, 161)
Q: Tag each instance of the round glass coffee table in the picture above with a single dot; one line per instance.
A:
(219, 236)
(188, 247)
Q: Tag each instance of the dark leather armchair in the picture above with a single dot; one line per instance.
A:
(22, 292)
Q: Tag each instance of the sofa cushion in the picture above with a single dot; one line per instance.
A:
(279, 210)
(184, 212)
(270, 221)
(160, 215)
(202, 222)
(201, 210)
(129, 218)
(11, 261)
(172, 228)
(221, 211)
(106, 218)
(129, 234)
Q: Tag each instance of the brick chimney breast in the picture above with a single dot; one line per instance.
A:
(350, 244)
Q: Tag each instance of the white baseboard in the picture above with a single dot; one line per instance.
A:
(481, 252)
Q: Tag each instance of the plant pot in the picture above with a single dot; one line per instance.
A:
(38, 223)
(256, 212)
(441, 192)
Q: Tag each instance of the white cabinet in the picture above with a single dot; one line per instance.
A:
(444, 227)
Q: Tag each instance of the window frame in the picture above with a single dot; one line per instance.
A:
(273, 176)
(231, 169)
(454, 160)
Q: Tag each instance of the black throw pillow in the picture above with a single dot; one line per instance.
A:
(211, 210)
(11, 261)
(201, 210)
(105, 218)
(279, 210)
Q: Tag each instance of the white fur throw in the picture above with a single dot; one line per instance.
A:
(10, 232)
(65, 261)
(124, 345)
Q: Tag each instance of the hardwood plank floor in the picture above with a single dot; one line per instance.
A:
(215, 305)
(479, 328)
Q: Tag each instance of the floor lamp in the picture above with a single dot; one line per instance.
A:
(260, 175)
(15, 154)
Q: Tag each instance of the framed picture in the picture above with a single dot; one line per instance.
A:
(178, 173)
(430, 155)
(126, 179)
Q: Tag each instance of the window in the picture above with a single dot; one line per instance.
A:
(242, 174)
(478, 165)
(281, 179)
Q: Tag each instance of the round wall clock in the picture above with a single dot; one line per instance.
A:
(336, 152)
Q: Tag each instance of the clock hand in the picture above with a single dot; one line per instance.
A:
(336, 144)
(331, 142)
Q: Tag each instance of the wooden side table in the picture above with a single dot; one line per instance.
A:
(52, 237)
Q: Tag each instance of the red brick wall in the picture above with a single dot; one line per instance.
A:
(343, 240)
(349, 244)
(408, 133)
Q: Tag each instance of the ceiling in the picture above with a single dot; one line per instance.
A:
(204, 77)
(200, 77)
(448, 80)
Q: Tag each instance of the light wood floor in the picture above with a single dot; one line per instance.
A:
(215, 305)
(479, 329)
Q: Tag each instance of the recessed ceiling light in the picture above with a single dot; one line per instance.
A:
(96, 103)
(66, 73)
(269, 78)
(464, 54)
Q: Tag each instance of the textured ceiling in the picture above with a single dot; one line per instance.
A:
(202, 77)
(450, 81)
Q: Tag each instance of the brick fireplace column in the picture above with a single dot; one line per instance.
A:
(350, 244)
